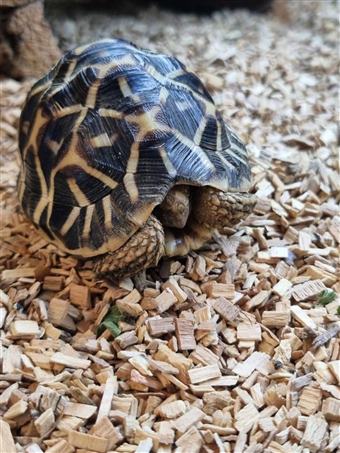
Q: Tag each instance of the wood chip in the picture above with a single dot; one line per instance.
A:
(144, 446)
(129, 304)
(7, 441)
(53, 283)
(13, 274)
(171, 410)
(310, 400)
(215, 290)
(185, 334)
(60, 446)
(161, 326)
(189, 419)
(246, 418)
(17, 409)
(249, 332)
(104, 428)
(172, 284)
(80, 295)
(45, 422)
(58, 313)
(307, 290)
(110, 389)
(25, 328)
(334, 366)
(275, 319)
(201, 374)
(226, 309)
(302, 317)
(254, 361)
(331, 409)
(282, 287)
(88, 441)
(314, 433)
(260, 299)
(79, 410)
(191, 441)
(70, 361)
(165, 300)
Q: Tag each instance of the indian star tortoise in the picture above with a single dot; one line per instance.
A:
(124, 158)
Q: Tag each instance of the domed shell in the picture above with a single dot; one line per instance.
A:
(107, 133)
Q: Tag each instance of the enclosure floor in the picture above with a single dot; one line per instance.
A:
(237, 349)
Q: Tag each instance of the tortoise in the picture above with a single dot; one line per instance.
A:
(125, 159)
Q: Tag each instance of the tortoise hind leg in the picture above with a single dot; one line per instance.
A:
(142, 250)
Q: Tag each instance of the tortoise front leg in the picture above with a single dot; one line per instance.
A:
(216, 209)
(142, 250)
(179, 243)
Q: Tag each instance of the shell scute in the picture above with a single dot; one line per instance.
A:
(191, 80)
(63, 195)
(75, 91)
(181, 111)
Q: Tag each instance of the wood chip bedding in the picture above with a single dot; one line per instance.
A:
(245, 356)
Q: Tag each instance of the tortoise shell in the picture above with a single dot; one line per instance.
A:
(107, 133)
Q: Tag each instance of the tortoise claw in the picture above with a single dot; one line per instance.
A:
(141, 282)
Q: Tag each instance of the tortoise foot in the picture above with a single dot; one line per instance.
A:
(141, 251)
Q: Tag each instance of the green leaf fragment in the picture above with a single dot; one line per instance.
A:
(326, 297)
(110, 322)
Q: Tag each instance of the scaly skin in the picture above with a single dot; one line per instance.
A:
(142, 250)
(220, 210)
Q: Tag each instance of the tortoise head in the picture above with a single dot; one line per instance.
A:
(175, 208)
